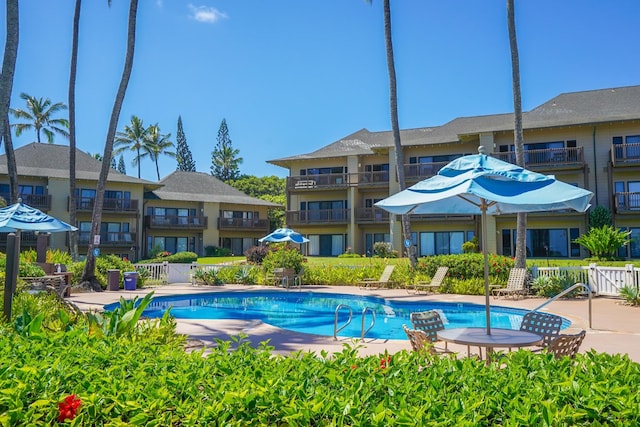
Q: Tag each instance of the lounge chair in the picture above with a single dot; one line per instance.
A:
(419, 339)
(383, 281)
(429, 322)
(544, 324)
(566, 344)
(436, 282)
(515, 284)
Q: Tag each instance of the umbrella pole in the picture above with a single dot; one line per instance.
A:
(487, 302)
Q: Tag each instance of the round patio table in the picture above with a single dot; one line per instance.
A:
(499, 338)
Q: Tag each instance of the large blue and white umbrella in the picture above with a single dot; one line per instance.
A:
(284, 235)
(483, 185)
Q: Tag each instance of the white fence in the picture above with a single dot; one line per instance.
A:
(167, 273)
(601, 279)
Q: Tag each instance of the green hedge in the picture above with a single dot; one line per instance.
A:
(138, 382)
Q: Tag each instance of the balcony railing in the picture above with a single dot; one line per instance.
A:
(27, 238)
(323, 181)
(243, 224)
(550, 157)
(320, 216)
(110, 205)
(371, 215)
(176, 221)
(625, 154)
(38, 201)
(110, 239)
(419, 171)
(627, 202)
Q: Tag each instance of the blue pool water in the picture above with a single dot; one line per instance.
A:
(313, 313)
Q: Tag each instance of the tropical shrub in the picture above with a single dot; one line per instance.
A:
(384, 250)
(216, 251)
(604, 242)
(256, 254)
(550, 286)
(178, 258)
(283, 256)
(599, 217)
(631, 294)
(469, 265)
(207, 276)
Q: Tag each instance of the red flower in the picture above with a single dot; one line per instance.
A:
(69, 407)
(385, 362)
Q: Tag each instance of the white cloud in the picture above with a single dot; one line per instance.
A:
(206, 14)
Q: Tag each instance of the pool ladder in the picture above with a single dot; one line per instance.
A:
(365, 310)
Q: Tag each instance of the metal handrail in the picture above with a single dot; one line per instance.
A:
(335, 320)
(566, 291)
(373, 320)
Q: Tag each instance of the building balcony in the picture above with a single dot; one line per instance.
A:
(625, 154)
(109, 239)
(373, 179)
(189, 222)
(38, 201)
(314, 182)
(85, 204)
(626, 202)
(371, 215)
(320, 216)
(420, 171)
(244, 224)
(27, 239)
(550, 158)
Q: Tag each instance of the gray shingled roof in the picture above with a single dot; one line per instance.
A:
(52, 160)
(202, 187)
(575, 108)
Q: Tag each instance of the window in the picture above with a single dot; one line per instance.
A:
(328, 210)
(441, 243)
(240, 218)
(326, 244)
(371, 238)
(544, 243)
(378, 173)
(170, 244)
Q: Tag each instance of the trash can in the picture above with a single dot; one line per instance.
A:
(113, 280)
(130, 280)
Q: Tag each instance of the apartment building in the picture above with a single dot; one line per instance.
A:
(590, 139)
(184, 211)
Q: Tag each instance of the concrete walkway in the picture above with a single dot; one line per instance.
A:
(615, 326)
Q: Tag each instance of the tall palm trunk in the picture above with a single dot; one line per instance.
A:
(73, 235)
(6, 86)
(12, 169)
(393, 104)
(88, 275)
(518, 139)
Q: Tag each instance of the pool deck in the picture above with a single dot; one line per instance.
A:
(615, 326)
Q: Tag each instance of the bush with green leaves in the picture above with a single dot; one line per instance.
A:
(604, 242)
(631, 294)
(208, 276)
(177, 258)
(282, 256)
(384, 250)
(550, 286)
(468, 265)
(125, 381)
(600, 216)
(216, 251)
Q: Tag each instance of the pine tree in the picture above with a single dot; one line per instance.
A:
(183, 154)
(224, 158)
(121, 167)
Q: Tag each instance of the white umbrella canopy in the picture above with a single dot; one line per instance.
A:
(284, 235)
(483, 185)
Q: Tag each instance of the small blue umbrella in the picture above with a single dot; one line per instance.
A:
(483, 185)
(21, 217)
(284, 235)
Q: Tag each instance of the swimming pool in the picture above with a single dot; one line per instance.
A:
(313, 312)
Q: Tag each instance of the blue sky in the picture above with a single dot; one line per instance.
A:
(290, 77)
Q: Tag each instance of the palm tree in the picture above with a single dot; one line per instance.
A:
(73, 236)
(393, 104)
(133, 138)
(39, 116)
(158, 144)
(518, 138)
(88, 274)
